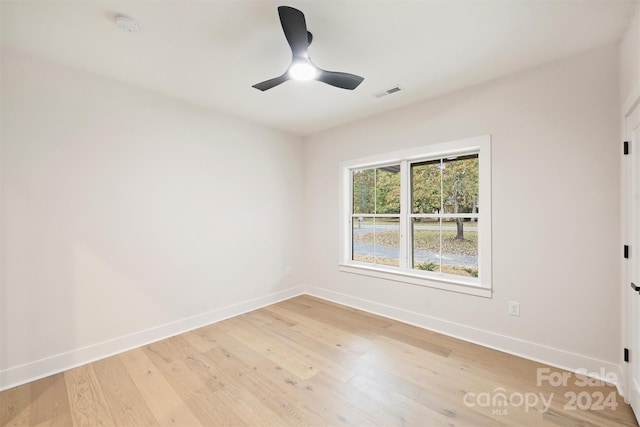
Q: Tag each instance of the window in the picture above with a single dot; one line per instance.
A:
(376, 215)
(421, 216)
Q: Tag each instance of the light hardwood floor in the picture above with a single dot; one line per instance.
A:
(306, 361)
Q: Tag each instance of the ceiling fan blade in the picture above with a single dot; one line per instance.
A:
(268, 84)
(295, 30)
(341, 80)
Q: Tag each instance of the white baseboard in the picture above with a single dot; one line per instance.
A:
(22, 374)
(539, 353)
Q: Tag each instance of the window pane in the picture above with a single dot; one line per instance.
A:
(376, 240)
(460, 184)
(388, 241)
(426, 244)
(364, 191)
(425, 187)
(460, 246)
(363, 239)
(388, 190)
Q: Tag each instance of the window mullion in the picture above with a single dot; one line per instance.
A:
(441, 212)
(405, 198)
(375, 211)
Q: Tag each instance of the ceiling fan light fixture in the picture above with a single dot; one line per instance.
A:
(294, 26)
(303, 71)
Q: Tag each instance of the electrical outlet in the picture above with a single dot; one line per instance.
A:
(514, 308)
(287, 271)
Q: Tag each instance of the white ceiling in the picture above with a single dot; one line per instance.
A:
(211, 52)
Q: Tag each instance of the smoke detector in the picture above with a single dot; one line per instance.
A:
(126, 24)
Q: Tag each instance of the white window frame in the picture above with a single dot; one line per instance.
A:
(481, 286)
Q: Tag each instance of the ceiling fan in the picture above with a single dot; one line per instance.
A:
(301, 68)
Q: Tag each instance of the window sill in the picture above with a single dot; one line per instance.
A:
(444, 282)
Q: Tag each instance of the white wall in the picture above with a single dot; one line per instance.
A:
(630, 61)
(556, 245)
(124, 211)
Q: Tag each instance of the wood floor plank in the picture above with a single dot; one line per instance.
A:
(253, 408)
(199, 341)
(308, 354)
(322, 401)
(87, 403)
(198, 392)
(308, 362)
(427, 363)
(449, 406)
(273, 395)
(377, 414)
(16, 406)
(280, 354)
(244, 405)
(393, 382)
(50, 402)
(329, 350)
(128, 407)
(416, 337)
(437, 377)
(622, 416)
(324, 333)
(348, 319)
(409, 410)
(167, 406)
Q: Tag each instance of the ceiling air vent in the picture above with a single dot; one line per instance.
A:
(386, 92)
